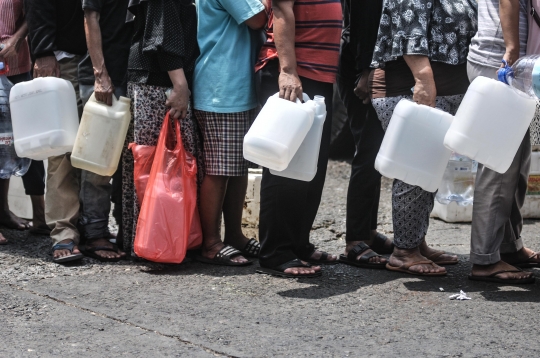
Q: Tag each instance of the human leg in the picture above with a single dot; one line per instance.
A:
(34, 186)
(7, 218)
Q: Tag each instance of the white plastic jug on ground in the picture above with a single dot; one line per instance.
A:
(490, 123)
(303, 165)
(45, 118)
(278, 132)
(101, 136)
(412, 149)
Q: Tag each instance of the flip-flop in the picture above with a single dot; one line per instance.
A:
(279, 271)
(252, 249)
(323, 260)
(405, 268)
(224, 258)
(378, 244)
(358, 249)
(435, 258)
(527, 263)
(91, 252)
(69, 258)
(492, 278)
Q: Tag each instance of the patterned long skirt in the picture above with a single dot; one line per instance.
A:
(411, 205)
(148, 111)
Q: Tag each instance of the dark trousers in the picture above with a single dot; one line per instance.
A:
(288, 206)
(34, 179)
(365, 182)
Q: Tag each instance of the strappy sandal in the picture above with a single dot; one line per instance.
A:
(91, 252)
(280, 270)
(224, 257)
(405, 268)
(435, 258)
(363, 261)
(252, 249)
(492, 278)
(69, 258)
(378, 244)
(323, 260)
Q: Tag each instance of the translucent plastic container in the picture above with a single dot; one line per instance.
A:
(458, 181)
(524, 75)
(303, 165)
(45, 117)
(101, 136)
(490, 123)
(278, 132)
(412, 149)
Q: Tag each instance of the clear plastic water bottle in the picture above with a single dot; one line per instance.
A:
(524, 75)
(458, 181)
(10, 163)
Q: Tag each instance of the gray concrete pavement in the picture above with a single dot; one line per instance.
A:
(140, 309)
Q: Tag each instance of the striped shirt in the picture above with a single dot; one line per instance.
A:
(318, 34)
(487, 46)
(11, 18)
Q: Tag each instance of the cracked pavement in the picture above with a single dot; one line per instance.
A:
(139, 309)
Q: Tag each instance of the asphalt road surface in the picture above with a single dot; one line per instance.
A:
(137, 309)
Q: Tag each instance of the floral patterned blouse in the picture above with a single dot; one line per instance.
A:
(439, 29)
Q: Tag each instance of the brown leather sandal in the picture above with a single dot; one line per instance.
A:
(405, 268)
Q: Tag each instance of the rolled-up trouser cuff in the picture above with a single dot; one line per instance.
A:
(60, 233)
(95, 230)
(485, 259)
(510, 247)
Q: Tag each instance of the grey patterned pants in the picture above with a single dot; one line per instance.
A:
(411, 205)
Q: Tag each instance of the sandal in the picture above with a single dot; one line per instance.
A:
(405, 268)
(358, 249)
(378, 244)
(525, 264)
(492, 278)
(252, 249)
(323, 260)
(69, 258)
(435, 258)
(91, 252)
(224, 257)
(280, 270)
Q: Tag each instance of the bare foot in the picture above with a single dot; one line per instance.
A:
(3, 240)
(318, 254)
(374, 260)
(12, 221)
(436, 255)
(487, 270)
(104, 242)
(211, 251)
(402, 257)
(64, 252)
(523, 256)
(303, 270)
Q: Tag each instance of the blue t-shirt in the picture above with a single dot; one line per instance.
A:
(224, 78)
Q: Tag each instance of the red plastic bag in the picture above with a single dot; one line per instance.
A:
(166, 186)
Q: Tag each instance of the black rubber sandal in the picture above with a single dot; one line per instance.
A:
(252, 249)
(492, 278)
(279, 271)
(69, 258)
(224, 257)
(323, 260)
(378, 244)
(358, 249)
(91, 252)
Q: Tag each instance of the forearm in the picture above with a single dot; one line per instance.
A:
(22, 31)
(41, 20)
(178, 78)
(94, 42)
(284, 34)
(419, 66)
(509, 14)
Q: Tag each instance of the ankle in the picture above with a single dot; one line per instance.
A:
(406, 252)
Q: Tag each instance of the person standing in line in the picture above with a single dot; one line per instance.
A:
(161, 58)
(505, 31)
(103, 72)
(72, 203)
(306, 62)
(421, 45)
(15, 54)
(361, 23)
(224, 100)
